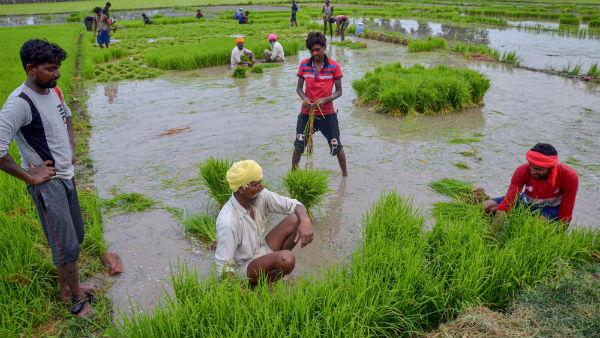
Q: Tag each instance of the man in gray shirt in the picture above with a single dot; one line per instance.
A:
(39, 121)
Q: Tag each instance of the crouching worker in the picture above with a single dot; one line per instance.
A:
(550, 188)
(37, 118)
(243, 250)
(239, 51)
(276, 53)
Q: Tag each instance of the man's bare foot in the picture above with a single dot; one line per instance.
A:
(65, 293)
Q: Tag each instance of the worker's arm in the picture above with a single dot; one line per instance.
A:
(71, 138)
(337, 93)
(226, 246)
(305, 229)
(36, 175)
(570, 182)
(299, 89)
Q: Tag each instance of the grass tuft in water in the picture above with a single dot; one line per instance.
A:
(239, 72)
(214, 176)
(307, 186)
(129, 202)
(202, 227)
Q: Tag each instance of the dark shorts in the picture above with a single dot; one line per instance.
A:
(293, 16)
(331, 20)
(103, 37)
(546, 211)
(58, 208)
(327, 125)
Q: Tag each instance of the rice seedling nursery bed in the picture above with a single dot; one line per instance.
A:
(396, 90)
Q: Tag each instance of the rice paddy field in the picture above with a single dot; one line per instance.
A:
(439, 98)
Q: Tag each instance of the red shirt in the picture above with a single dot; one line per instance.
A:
(319, 85)
(540, 192)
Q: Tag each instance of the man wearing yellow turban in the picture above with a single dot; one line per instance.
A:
(242, 248)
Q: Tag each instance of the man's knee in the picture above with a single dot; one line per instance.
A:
(287, 261)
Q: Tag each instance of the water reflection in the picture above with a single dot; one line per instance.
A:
(110, 91)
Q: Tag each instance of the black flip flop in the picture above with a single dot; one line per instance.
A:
(80, 302)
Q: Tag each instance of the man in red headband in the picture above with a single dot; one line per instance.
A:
(550, 187)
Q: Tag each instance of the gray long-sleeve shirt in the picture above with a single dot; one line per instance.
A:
(40, 134)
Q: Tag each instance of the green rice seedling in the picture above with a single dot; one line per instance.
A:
(271, 65)
(239, 72)
(461, 165)
(202, 227)
(307, 186)
(573, 69)
(456, 189)
(511, 57)
(569, 20)
(458, 211)
(213, 173)
(129, 202)
(350, 44)
(417, 90)
(427, 45)
(464, 140)
(594, 70)
(258, 69)
(594, 23)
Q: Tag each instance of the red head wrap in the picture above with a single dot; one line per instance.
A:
(538, 159)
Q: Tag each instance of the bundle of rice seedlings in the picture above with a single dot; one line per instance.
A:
(257, 69)
(129, 202)
(307, 186)
(459, 190)
(202, 226)
(213, 173)
(239, 72)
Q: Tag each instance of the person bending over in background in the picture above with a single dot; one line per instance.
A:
(237, 53)
(243, 250)
(102, 26)
(199, 14)
(276, 53)
(550, 188)
(341, 23)
(320, 74)
(39, 121)
(147, 20)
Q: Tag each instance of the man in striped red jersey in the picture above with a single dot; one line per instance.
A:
(320, 74)
(550, 188)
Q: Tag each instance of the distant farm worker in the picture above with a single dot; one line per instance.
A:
(238, 14)
(102, 26)
(550, 188)
(327, 18)
(88, 22)
(147, 20)
(294, 10)
(320, 74)
(106, 10)
(243, 250)
(237, 53)
(276, 52)
(244, 18)
(342, 23)
(199, 14)
(36, 117)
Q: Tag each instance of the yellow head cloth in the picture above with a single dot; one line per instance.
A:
(242, 173)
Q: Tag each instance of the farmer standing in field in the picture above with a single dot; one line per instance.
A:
(106, 10)
(276, 53)
(327, 18)
(550, 188)
(341, 23)
(243, 250)
(320, 74)
(39, 121)
(101, 24)
(294, 10)
(237, 53)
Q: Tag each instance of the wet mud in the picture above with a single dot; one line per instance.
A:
(255, 118)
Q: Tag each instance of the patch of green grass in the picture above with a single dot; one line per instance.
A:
(307, 186)
(461, 165)
(213, 173)
(569, 20)
(239, 72)
(428, 44)
(573, 68)
(201, 226)
(258, 69)
(418, 90)
(511, 57)
(464, 140)
(129, 202)
(350, 44)
(594, 23)
(594, 70)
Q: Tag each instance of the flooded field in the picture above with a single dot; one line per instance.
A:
(539, 49)
(255, 118)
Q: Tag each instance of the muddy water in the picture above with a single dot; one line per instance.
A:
(255, 118)
(540, 49)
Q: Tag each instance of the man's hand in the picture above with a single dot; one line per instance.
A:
(41, 173)
(73, 158)
(497, 222)
(304, 233)
(306, 102)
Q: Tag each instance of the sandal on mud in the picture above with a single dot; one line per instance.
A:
(79, 302)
